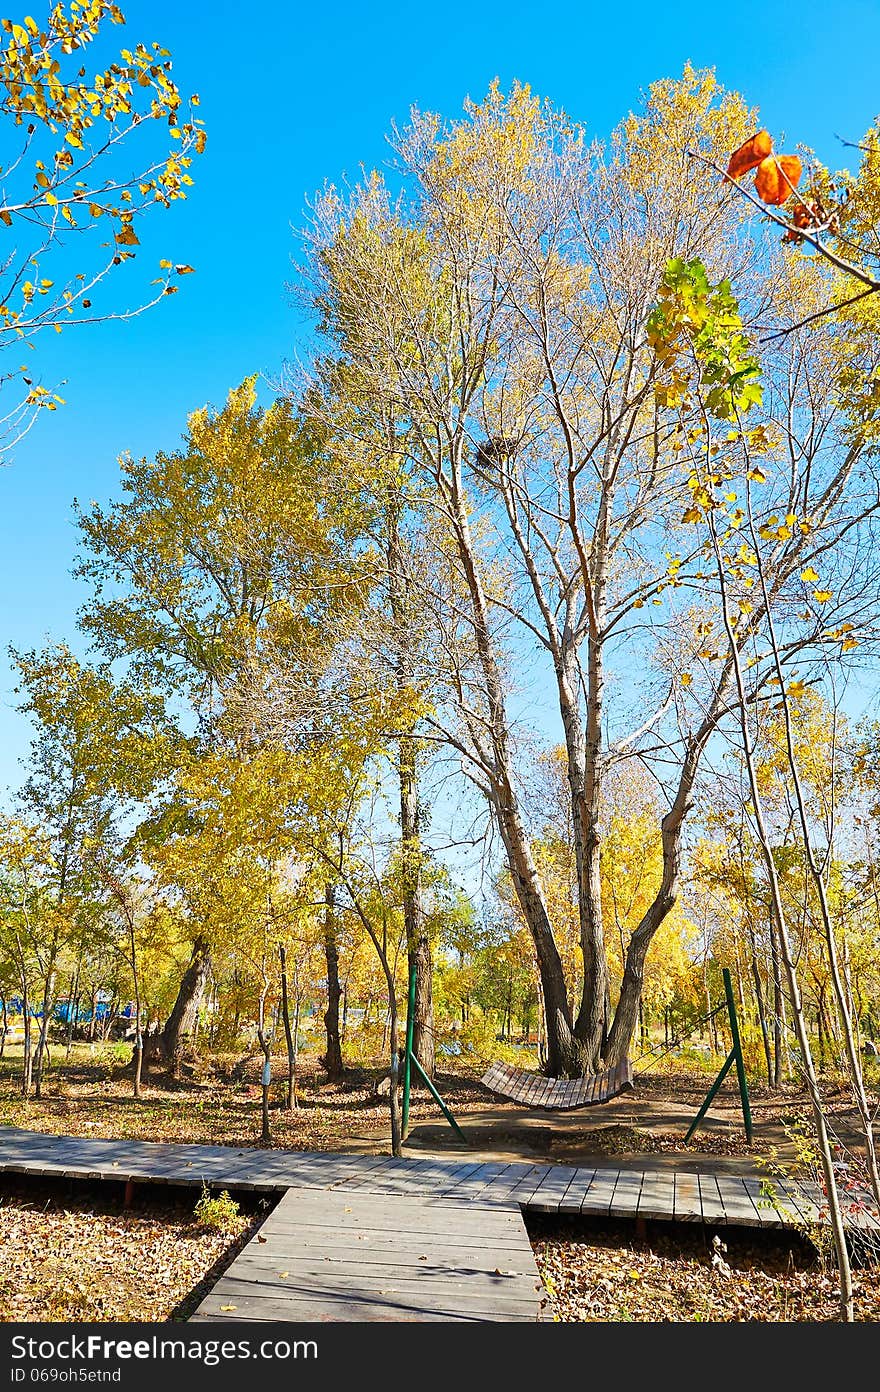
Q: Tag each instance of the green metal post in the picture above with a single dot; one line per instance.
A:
(735, 1056)
(737, 1051)
(710, 1096)
(439, 1100)
(407, 1058)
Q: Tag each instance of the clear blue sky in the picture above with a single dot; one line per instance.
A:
(293, 95)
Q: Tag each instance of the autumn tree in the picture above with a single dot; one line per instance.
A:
(497, 308)
(761, 557)
(230, 546)
(99, 749)
(88, 154)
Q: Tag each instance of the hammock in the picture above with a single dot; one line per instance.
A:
(557, 1094)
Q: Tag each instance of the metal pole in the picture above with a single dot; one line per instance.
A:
(709, 1097)
(439, 1100)
(737, 1051)
(407, 1057)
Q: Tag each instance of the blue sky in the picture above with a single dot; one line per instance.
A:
(292, 96)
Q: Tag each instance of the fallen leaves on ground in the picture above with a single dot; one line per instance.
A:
(600, 1272)
(88, 1259)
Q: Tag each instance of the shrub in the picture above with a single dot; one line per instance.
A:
(218, 1214)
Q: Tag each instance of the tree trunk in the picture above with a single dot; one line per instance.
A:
(333, 1054)
(288, 1033)
(759, 1000)
(172, 1041)
(780, 1022)
(43, 1037)
(418, 944)
(72, 1007)
(27, 1061)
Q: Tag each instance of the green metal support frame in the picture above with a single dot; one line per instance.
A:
(735, 1056)
(410, 1061)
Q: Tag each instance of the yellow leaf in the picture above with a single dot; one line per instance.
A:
(821, 596)
(686, 678)
(809, 575)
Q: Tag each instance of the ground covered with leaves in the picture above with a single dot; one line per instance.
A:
(217, 1101)
(601, 1272)
(81, 1256)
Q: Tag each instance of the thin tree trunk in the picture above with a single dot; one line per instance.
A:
(27, 1054)
(333, 1062)
(266, 1078)
(72, 1007)
(43, 1036)
(290, 1102)
(759, 999)
(779, 922)
(418, 944)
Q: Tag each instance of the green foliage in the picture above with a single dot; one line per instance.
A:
(218, 1213)
(696, 319)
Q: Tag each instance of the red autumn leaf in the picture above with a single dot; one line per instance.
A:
(749, 155)
(803, 214)
(776, 177)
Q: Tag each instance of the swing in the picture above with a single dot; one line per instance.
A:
(565, 1094)
(557, 1094)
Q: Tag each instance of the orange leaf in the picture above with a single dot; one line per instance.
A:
(749, 155)
(804, 214)
(776, 177)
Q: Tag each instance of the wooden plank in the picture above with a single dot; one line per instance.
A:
(625, 1202)
(738, 1206)
(767, 1214)
(796, 1201)
(657, 1195)
(548, 1198)
(577, 1190)
(710, 1199)
(600, 1194)
(688, 1208)
(325, 1258)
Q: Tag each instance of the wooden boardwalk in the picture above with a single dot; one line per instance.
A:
(332, 1254)
(674, 1194)
(368, 1237)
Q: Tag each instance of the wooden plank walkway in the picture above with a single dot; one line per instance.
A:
(327, 1255)
(371, 1237)
(687, 1195)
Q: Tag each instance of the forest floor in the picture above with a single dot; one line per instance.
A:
(594, 1271)
(75, 1253)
